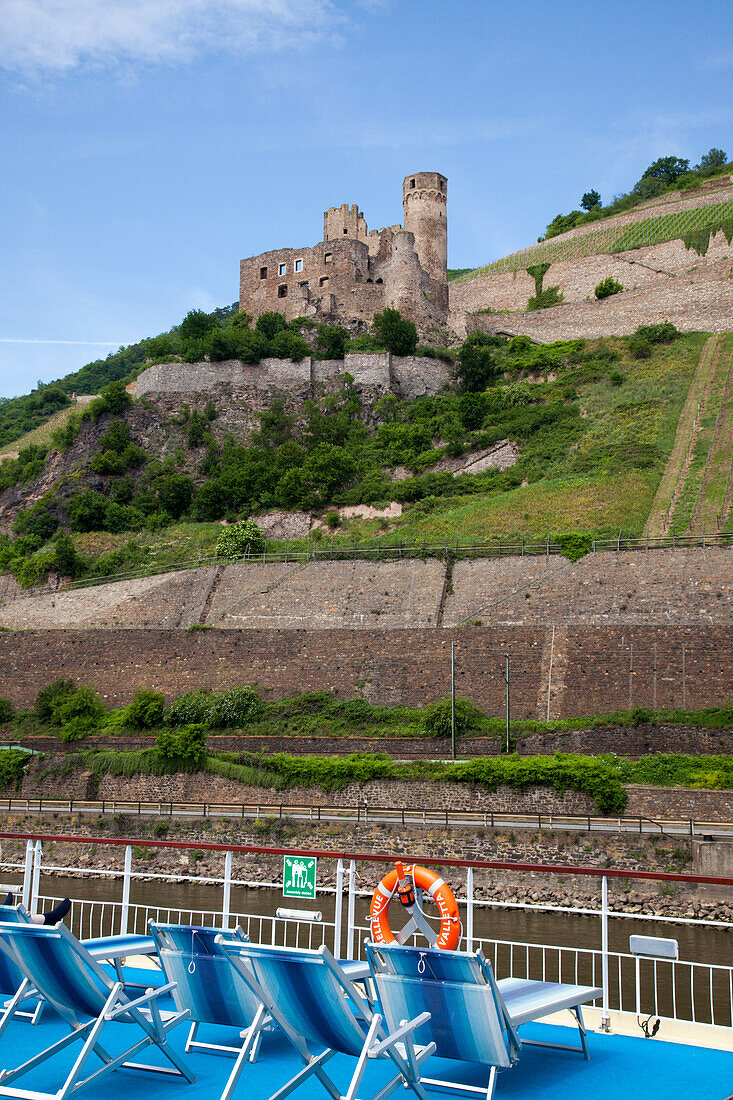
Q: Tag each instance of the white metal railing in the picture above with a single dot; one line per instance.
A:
(687, 990)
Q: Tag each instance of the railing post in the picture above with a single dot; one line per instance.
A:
(339, 908)
(37, 858)
(605, 1015)
(27, 874)
(352, 903)
(227, 901)
(126, 880)
(469, 909)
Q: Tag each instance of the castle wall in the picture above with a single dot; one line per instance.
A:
(606, 668)
(257, 384)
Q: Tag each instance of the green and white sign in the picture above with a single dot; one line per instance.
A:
(299, 876)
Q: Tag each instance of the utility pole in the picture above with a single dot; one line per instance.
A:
(453, 699)
(506, 681)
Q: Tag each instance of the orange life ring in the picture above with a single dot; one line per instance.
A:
(450, 923)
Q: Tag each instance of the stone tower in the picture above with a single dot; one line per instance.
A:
(424, 197)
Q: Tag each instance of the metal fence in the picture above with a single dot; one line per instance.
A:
(687, 990)
(266, 812)
(386, 550)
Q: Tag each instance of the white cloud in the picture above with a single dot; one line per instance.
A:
(41, 36)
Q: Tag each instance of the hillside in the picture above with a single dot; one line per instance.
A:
(562, 438)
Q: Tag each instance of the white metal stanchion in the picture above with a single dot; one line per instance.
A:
(605, 1015)
(126, 880)
(352, 904)
(227, 902)
(469, 909)
(338, 909)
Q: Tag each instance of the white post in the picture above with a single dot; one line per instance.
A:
(38, 856)
(339, 909)
(350, 919)
(126, 880)
(605, 1015)
(227, 905)
(469, 909)
(27, 874)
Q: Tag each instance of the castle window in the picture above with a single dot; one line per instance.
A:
(298, 265)
(282, 292)
(346, 232)
(328, 258)
(263, 272)
(412, 183)
(304, 286)
(323, 281)
(380, 280)
(281, 269)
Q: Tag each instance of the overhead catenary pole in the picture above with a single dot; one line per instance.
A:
(506, 681)
(453, 699)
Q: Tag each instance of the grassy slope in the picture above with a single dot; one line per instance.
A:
(40, 436)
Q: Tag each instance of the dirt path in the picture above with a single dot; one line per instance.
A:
(713, 502)
(679, 460)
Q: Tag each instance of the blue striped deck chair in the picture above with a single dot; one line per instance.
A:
(11, 978)
(474, 1018)
(207, 985)
(60, 968)
(318, 1009)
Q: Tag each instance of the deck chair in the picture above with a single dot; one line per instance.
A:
(474, 1018)
(207, 985)
(11, 978)
(316, 1006)
(60, 968)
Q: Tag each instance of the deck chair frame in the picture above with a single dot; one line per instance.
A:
(20, 911)
(142, 1011)
(159, 932)
(397, 1046)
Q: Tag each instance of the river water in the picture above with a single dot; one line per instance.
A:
(190, 902)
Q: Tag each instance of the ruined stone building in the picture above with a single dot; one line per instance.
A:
(354, 273)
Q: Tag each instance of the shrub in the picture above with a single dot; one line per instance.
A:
(78, 713)
(607, 287)
(395, 332)
(13, 763)
(574, 545)
(193, 706)
(663, 333)
(114, 398)
(184, 749)
(549, 297)
(51, 696)
(270, 323)
(239, 539)
(7, 710)
(146, 709)
(331, 341)
(478, 363)
(639, 347)
(236, 707)
(436, 718)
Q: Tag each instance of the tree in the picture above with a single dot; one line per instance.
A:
(666, 170)
(477, 361)
(607, 287)
(269, 324)
(196, 325)
(714, 158)
(175, 493)
(395, 332)
(590, 199)
(331, 342)
(87, 511)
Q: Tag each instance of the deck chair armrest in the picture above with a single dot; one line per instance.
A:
(145, 1000)
(398, 1035)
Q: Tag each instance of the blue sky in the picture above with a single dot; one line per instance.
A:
(149, 144)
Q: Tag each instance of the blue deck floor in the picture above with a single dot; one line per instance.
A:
(620, 1069)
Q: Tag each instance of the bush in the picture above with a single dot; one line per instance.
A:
(478, 362)
(78, 713)
(395, 333)
(607, 287)
(237, 707)
(575, 545)
(663, 333)
(638, 346)
(13, 763)
(331, 342)
(146, 709)
(240, 538)
(270, 323)
(184, 749)
(7, 710)
(548, 297)
(114, 398)
(191, 707)
(51, 696)
(436, 718)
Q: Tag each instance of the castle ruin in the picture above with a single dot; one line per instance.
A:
(354, 273)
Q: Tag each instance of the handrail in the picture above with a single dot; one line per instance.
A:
(496, 548)
(372, 857)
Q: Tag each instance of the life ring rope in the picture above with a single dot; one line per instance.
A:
(450, 924)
